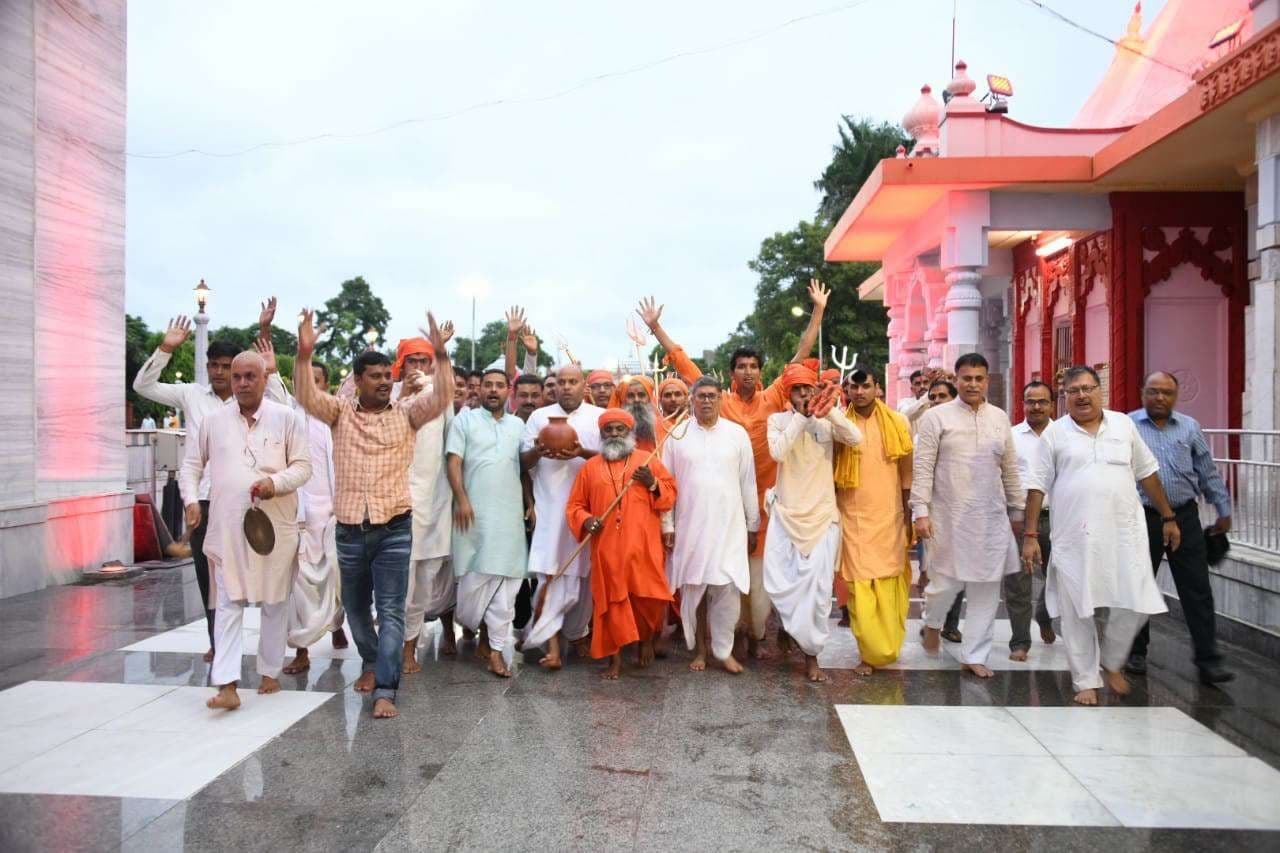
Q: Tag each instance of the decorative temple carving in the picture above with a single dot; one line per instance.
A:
(1187, 248)
(1092, 261)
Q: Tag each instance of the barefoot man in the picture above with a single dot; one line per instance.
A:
(1088, 462)
(489, 554)
(256, 453)
(800, 555)
(373, 445)
(715, 524)
(628, 584)
(967, 501)
(564, 606)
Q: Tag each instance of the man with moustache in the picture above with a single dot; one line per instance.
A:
(600, 387)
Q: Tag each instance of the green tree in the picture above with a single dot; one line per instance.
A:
(863, 143)
(349, 316)
(491, 346)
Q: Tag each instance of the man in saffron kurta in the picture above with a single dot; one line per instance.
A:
(629, 590)
(873, 487)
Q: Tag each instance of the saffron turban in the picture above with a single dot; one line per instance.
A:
(831, 375)
(673, 380)
(616, 416)
(619, 397)
(797, 374)
(408, 347)
(596, 376)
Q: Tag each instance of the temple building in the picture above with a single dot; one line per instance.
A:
(1144, 236)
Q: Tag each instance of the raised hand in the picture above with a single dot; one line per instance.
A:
(446, 331)
(435, 335)
(266, 316)
(176, 333)
(515, 320)
(818, 292)
(308, 335)
(267, 351)
(529, 338)
(649, 311)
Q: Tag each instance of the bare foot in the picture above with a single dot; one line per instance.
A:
(340, 639)
(731, 665)
(384, 709)
(614, 669)
(208, 656)
(784, 643)
(1018, 654)
(645, 653)
(812, 671)
(268, 685)
(1047, 635)
(301, 663)
(551, 662)
(410, 666)
(977, 669)
(364, 684)
(931, 640)
(740, 643)
(1116, 682)
(699, 663)
(1087, 697)
(449, 643)
(863, 669)
(226, 698)
(661, 648)
(844, 618)
(582, 648)
(756, 649)
(497, 666)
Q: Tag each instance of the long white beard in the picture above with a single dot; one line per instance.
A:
(613, 449)
(643, 413)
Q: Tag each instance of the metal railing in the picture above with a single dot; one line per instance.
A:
(1249, 460)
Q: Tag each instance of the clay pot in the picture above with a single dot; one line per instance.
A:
(557, 436)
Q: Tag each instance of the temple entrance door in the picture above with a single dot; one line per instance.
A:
(1186, 334)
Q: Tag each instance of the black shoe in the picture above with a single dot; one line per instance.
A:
(952, 636)
(1136, 665)
(1214, 673)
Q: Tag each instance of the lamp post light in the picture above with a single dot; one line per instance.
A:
(797, 312)
(371, 336)
(475, 287)
(202, 293)
(178, 375)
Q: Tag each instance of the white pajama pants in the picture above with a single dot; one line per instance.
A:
(228, 639)
(491, 599)
(431, 593)
(1084, 651)
(566, 606)
(314, 605)
(982, 600)
(800, 586)
(724, 606)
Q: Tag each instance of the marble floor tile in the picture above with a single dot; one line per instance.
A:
(1122, 731)
(71, 705)
(187, 640)
(183, 710)
(995, 789)
(841, 652)
(1171, 791)
(156, 765)
(22, 744)
(914, 730)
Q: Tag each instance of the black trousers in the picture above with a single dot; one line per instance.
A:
(202, 565)
(1190, 568)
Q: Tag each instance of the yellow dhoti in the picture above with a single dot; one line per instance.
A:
(878, 617)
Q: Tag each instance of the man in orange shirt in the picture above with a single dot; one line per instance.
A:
(629, 590)
(749, 407)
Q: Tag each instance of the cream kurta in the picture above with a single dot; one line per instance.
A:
(875, 532)
(237, 455)
(1099, 531)
(716, 507)
(429, 488)
(804, 499)
(965, 480)
(552, 481)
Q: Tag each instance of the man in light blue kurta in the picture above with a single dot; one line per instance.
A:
(489, 554)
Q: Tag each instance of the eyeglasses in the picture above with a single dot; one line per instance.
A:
(706, 398)
(1080, 390)
(1028, 402)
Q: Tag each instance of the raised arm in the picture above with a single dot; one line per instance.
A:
(843, 430)
(432, 404)
(818, 294)
(530, 339)
(651, 313)
(324, 407)
(515, 322)
(276, 392)
(147, 381)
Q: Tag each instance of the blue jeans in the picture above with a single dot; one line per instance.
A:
(374, 563)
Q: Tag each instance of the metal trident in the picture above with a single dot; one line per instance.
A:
(843, 361)
(639, 338)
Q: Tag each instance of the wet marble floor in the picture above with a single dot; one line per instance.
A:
(105, 745)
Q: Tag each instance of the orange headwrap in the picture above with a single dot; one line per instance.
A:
(797, 374)
(408, 347)
(831, 375)
(599, 376)
(673, 380)
(619, 398)
(616, 416)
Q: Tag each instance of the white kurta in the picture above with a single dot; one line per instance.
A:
(238, 455)
(965, 480)
(552, 481)
(429, 488)
(1099, 534)
(717, 505)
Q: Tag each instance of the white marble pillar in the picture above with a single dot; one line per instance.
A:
(202, 348)
(1262, 316)
(964, 310)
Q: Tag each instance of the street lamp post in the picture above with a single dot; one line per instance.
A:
(797, 311)
(202, 293)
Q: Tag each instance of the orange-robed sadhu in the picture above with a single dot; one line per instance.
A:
(628, 582)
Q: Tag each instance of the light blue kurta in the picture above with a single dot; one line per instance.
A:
(490, 453)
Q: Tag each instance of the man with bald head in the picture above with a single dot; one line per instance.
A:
(256, 454)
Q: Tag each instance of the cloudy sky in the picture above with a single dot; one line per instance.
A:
(660, 180)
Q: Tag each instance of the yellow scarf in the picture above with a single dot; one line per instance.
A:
(893, 433)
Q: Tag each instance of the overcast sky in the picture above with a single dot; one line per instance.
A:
(662, 181)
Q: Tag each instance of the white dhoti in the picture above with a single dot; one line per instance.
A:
(566, 606)
(314, 601)
(724, 605)
(431, 593)
(982, 600)
(491, 599)
(800, 586)
(228, 638)
(1084, 651)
